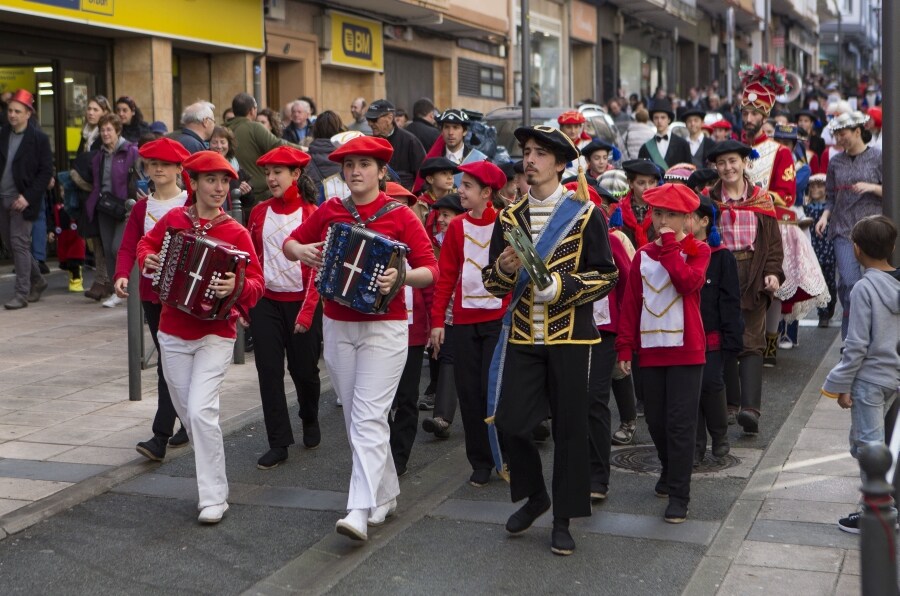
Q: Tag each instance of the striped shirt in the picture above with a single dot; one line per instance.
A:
(539, 212)
(847, 206)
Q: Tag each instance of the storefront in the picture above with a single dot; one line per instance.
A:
(548, 55)
(583, 50)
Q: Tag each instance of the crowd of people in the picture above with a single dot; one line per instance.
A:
(667, 272)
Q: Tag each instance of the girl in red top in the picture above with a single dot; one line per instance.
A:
(162, 161)
(365, 354)
(287, 321)
(477, 313)
(195, 353)
(660, 320)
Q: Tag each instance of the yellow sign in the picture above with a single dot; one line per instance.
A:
(17, 77)
(236, 24)
(356, 43)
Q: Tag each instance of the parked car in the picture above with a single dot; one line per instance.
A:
(506, 120)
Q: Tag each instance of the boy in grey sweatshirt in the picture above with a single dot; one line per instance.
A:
(868, 376)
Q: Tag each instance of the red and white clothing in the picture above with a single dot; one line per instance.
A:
(660, 314)
(606, 310)
(464, 254)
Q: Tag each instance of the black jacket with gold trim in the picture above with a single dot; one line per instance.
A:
(584, 270)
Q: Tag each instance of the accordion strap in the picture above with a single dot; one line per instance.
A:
(195, 220)
(351, 207)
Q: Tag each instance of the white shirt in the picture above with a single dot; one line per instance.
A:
(695, 145)
(457, 156)
(663, 145)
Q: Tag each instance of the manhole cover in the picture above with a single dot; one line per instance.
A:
(644, 459)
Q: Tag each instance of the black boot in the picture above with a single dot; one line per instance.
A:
(154, 449)
(522, 519)
(751, 392)
(561, 541)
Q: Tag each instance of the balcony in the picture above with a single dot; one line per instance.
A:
(745, 16)
(803, 11)
(660, 13)
(468, 19)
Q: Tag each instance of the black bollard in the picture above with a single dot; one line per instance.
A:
(878, 544)
(237, 213)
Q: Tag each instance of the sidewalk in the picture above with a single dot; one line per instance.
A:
(781, 536)
(67, 427)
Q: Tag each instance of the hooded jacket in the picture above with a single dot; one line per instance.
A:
(872, 347)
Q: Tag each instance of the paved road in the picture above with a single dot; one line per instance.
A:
(278, 537)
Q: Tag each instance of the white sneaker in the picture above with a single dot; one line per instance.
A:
(785, 344)
(112, 302)
(213, 514)
(354, 525)
(382, 512)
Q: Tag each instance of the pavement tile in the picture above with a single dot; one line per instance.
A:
(38, 451)
(791, 556)
(105, 456)
(825, 464)
(803, 511)
(66, 435)
(749, 580)
(8, 505)
(100, 422)
(144, 409)
(48, 470)
(815, 487)
(822, 439)
(125, 439)
(9, 432)
(29, 490)
(837, 419)
(21, 403)
(785, 532)
(851, 563)
(67, 406)
(848, 585)
(32, 418)
(103, 393)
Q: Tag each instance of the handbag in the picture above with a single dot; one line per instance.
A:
(112, 206)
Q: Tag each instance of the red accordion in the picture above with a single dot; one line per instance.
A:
(189, 262)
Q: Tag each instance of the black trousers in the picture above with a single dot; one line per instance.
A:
(671, 400)
(272, 324)
(603, 359)
(713, 411)
(404, 417)
(473, 349)
(623, 391)
(535, 378)
(164, 420)
(445, 392)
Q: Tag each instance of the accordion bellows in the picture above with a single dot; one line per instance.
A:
(189, 263)
(352, 258)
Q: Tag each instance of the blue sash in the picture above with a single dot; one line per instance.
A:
(567, 210)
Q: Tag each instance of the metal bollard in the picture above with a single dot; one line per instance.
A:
(237, 213)
(135, 336)
(877, 526)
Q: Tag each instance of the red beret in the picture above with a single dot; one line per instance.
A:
(593, 194)
(24, 97)
(284, 156)
(723, 124)
(486, 173)
(164, 149)
(399, 193)
(376, 147)
(571, 117)
(674, 197)
(876, 115)
(209, 161)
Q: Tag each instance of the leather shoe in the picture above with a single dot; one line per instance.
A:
(16, 303)
(749, 420)
(37, 288)
(561, 541)
(312, 435)
(439, 427)
(676, 512)
(382, 512)
(522, 519)
(720, 448)
(180, 438)
(154, 449)
(213, 514)
(272, 458)
(541, 432)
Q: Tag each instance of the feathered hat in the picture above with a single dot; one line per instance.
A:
(762, 84)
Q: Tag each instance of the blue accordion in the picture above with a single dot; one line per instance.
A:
(352, 258)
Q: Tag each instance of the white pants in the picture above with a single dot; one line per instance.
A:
(194, 370)
(365, 361)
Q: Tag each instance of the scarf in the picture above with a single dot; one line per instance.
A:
(630, 221)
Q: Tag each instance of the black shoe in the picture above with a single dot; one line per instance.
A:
(431, 389)
(180, 438)
(480, 478)
(42, 266)
(154, 449)
(824, 321)
(312, 436)
(439, 427)
(37, 288)
(541, 433)
(522, 519)
(401, 470)
(850, 523)
(561, 541)
(426, 402)
(676, 512)
(599, 492)
(272, 458)
(662, 488)
(698, 457)
(720, 448)
(749, 420)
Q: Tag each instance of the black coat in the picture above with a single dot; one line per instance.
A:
(426, 132)
(720, 301)
(408, 156)
(679, 150)
(699, 158)
(32, 167)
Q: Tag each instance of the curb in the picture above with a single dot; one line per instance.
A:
(720, 554)
(25, 517)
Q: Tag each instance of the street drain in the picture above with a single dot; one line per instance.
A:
(644, 459)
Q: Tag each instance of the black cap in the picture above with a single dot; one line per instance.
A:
(605, 194)
(706, 207)
(702, 177)
(693, 112)
(596, 145)
(453, 116)
(661, 105)
(437, 164)
(550, 137)
(450, 201)
(379, 108)
(519, 167)
(642, 166)
(808, 114)
(728, 146)
(508, 168)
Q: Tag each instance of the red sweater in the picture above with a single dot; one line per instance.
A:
(298, 274)
(400, 224)
(127, 255)
(450, 282)
(623, 264)
(181, 324)
(420, 327)
(688, 277)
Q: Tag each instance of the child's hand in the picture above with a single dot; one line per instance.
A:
(844, 400)
(223, 286)
(298, 328)
(51, 236)
(436, 340)
(625, 367)
(121, 287)
(152, 263)
(386, 280)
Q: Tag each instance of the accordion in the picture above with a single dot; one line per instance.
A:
(189, 262)
(352, 258)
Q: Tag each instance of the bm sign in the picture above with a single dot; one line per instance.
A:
(358, 42)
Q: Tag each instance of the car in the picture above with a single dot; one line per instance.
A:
(506, 120)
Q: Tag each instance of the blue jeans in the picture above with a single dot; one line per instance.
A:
(870, 403)
(39, 235)
(848, 274)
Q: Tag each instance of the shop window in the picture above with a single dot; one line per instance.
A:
(481, 80)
